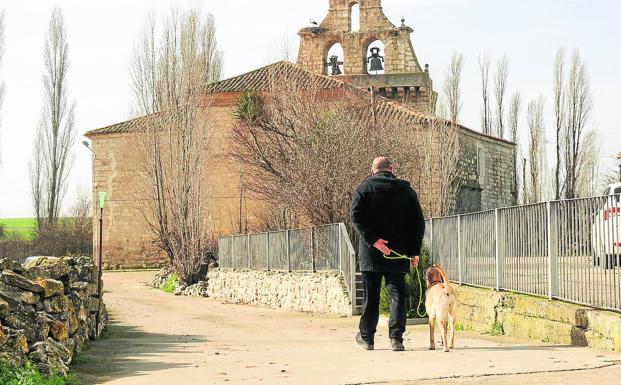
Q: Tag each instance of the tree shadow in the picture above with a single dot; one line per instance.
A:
(127, 351)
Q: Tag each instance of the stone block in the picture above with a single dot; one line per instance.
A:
(51, 287)
(13, 279)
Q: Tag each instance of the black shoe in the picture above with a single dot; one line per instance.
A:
(397, 345)
(365, 345)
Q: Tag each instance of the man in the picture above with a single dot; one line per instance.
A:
(387, 215)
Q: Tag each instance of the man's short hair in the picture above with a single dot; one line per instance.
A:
(381, 163)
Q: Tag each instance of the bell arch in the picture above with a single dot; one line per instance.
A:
(354, 17)
(374, 58)
(334, 59)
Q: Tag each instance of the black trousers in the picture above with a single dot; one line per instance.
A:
(395, 285)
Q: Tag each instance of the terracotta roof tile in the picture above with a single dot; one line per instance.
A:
(263, 78)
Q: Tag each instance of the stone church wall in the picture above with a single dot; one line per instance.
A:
(127, 241)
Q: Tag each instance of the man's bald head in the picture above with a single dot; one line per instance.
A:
(381, 164)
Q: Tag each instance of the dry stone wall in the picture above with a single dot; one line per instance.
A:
(48, 311)
(535, 318)
(322, 292)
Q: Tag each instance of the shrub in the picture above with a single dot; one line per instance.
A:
(412, 288)
(171, 284)
(30, 375)
(497, 329)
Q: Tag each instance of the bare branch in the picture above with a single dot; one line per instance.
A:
(559, 114)
(500, 86)
(52, 159)
(452, 87)
(486, 114)
(536, 150)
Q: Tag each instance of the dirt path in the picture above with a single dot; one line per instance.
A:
(157, 339)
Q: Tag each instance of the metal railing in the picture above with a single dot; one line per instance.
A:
(319, 248)
(569, 249)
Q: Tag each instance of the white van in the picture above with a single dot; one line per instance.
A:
(606, 229)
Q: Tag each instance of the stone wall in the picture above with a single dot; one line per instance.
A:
(487, 171)
(307, 292)
(48, 311)
(536, 318)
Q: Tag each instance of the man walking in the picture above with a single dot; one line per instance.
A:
(387, 215)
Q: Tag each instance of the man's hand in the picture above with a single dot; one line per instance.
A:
(380, 244)
(415, 261)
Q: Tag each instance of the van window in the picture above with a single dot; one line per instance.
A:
(618, 193)
(607, 191)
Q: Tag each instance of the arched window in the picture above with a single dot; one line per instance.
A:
(375, 58)
(335, 60)
(354, 17)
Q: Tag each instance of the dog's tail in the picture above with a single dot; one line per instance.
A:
(444, 278)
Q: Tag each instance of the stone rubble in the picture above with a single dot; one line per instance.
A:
(197, 290)
(48, 311)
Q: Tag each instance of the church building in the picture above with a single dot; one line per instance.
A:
(355, 48)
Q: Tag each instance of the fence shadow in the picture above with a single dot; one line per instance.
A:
(128, 352)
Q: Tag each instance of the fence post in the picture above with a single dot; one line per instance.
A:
(431, 242)
(288, 252)
(340, 241)
(500, 268)
(312, 235)
(552, 249)
(267, 248)
(459, 262)
(232, 252)
(248, 251)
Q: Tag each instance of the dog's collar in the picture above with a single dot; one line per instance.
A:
(431, 284)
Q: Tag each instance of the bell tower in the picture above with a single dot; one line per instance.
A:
(375, 54)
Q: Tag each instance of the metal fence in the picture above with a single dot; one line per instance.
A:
(569, 249)
(320, 248)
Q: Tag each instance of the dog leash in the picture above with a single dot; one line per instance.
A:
(420, 283)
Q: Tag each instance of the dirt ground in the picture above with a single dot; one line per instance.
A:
(156, 338)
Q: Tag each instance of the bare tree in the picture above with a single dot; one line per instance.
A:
(447, 137)
(579, 103)
(536, 150)
(452, 87)
(170, 71)
(500, 86)
(169, 68)
(513, 120)
(588, 161)
(486, 114)
(52, 160)
(1, 82)
(296, 147)
(170, 165)
(559, 114)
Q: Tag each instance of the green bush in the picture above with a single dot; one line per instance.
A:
(30, 375)
(171, 283)
(412, 288)
(497, 329)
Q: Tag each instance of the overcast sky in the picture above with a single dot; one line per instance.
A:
(101, 35)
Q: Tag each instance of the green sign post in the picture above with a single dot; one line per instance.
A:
(102, 201)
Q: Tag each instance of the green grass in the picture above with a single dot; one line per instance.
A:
(23, 227)
(497, 329)
(171, 284)
(29, 375)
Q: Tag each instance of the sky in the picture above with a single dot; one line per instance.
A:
(102, 34)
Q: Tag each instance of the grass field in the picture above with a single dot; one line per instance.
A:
(22, 226)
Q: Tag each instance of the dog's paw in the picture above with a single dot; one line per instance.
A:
(446, 350)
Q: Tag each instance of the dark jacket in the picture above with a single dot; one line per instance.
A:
(386, 207)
